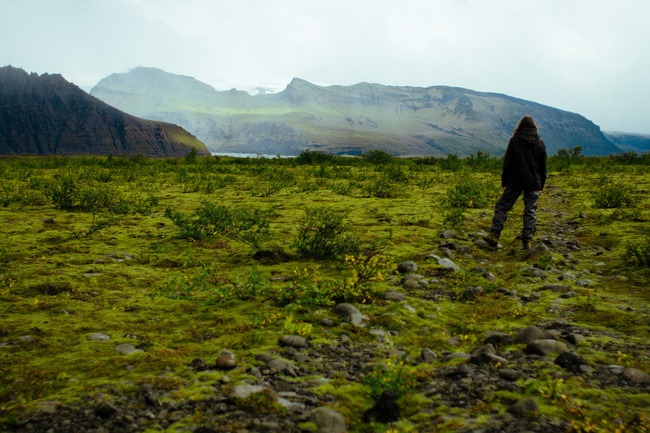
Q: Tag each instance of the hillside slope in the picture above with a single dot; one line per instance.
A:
(48, 115)
(405, 121)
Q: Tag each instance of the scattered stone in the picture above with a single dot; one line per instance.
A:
(414, 281)
(447, 252)
(392, 295)
(225, 361)
(406, 267)
(568, 295)
(327, 323)
(127, 349)
(480, 243)
(48, 407)
(570, 361)
(537, 250)
(294, 341)
(385, 410)
(486, 355)
(472, 293)
(557, 288)
(510, 374)
(281, 366)
(533, 272)
(449, 265)
(105, 409)
(25, 339)
(530, 334)
(448, 234)
(457, 355)
(96, 336)
(380, 334)
(545, 347)
(616, 369)
(197, 364)
(427, 356)
(486, 274)
(245, 390)
(328, 420)
(351, 314)
(525, 407)
(497, 339)
(636, 376)
(584, 282)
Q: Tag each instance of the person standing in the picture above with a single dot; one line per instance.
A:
(524, 170)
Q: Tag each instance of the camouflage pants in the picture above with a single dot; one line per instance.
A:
(507, 201)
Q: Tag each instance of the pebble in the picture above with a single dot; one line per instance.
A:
(328, 420)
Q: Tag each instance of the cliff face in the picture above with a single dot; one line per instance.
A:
(48, 115)
(407, 121)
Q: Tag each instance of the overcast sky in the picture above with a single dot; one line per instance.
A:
(591, 57)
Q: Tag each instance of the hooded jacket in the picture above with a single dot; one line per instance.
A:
(524, 165)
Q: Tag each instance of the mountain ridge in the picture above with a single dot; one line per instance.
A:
(45, 114)
(401, 120)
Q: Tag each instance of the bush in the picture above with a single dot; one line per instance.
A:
(246, 225)
(378, 157)
(323, 234)
(469, 193)
(612, 194)
(638, 253)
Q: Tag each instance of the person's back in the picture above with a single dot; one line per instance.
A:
(524, 170)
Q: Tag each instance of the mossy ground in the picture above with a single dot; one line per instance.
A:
(110, 266)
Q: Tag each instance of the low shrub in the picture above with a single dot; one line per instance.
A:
(246, 225)
(613, 194)
(638, 253)
(324, 234)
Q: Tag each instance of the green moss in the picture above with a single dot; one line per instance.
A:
(115, 268)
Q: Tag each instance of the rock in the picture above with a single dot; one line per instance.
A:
(281, 366)
(480, 243)
(105, 409)
(427, 356)
(497, 339)
(385, 410)
(392, 295)
(350, 313)
(328, 420)
(225, 361)
(557, 288)
(486, 274)
(510, 374)
(529, 334)
(472, 293)
(584, 282)
(294, 341)
(380, 334)
(570, 361)
(26, 339)
(414, 281)
(448, 234)
(97, 337)
(127, 349)
(245, 390)
(198, 364)
(449, 265)
(457, 355)
(406, 267)
(486, 355)
(525, 407)
(533, 272)
(537, 250)
(545, 347)
(636, 376)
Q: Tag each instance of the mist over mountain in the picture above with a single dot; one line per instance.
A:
(45, 114)
(401, 120)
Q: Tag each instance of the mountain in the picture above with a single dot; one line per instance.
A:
(48, 115)
(406, 121)
(639, 143)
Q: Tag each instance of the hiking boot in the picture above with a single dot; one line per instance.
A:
(525, 244)
(492, 239)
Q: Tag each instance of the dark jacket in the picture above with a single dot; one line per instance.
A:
(525, 163)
